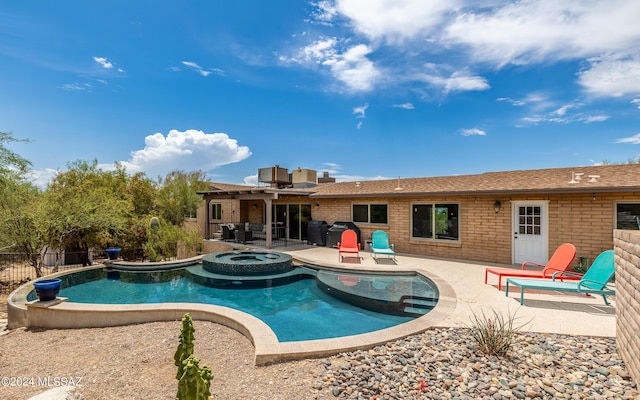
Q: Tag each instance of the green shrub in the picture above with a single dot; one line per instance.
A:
(494, 334)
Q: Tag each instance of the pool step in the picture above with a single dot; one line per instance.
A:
(418, 305)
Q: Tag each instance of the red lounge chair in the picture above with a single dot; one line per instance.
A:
(560, 261)
(348, 244)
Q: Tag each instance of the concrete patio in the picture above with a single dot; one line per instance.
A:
(545, 312)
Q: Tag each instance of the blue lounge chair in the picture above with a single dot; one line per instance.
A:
(595, 280)
(380, 245)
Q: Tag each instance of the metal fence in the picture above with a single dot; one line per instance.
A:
(15, 269)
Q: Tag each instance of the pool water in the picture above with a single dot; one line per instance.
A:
(295, 311)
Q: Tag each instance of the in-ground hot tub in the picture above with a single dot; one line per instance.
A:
(247, 263)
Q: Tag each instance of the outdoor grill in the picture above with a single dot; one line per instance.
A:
(317, 232)
(334, 233)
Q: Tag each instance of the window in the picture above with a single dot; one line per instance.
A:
(435, 221)
(529, 220)
(370, 213)
(628, 216)
(216, 211)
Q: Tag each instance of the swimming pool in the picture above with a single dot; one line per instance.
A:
(303, 304)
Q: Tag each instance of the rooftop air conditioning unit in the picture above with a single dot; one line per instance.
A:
(304, 178)
(273, 175)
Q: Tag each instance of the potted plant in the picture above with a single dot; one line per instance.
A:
(113, 253)
(47, 289)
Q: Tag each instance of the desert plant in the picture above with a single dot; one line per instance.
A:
(494, 333)
(195, 382)
(185, 348)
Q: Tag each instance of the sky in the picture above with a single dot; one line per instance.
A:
(362, 89)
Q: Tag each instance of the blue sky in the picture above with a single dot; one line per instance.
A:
(359, 88)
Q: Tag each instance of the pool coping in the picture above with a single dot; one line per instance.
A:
(60, 314)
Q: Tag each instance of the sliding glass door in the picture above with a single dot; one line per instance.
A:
(293, 217)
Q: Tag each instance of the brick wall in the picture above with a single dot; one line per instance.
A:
(584, 219)
(485, 235)
(627, 248)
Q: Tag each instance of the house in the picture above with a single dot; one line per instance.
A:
(494, 217)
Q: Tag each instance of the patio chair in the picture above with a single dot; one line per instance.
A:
(380, 245)
(348, 244)
(560, 261)
(228, 233)
(244, 235)
(594, 281)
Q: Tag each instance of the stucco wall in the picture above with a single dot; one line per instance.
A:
(627, 248)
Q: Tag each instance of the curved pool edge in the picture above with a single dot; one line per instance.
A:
(268, 350)
(152, 266)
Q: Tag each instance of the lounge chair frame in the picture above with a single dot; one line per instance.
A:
(560, 261)
(380, 245)
(348, 245)
(586, 284)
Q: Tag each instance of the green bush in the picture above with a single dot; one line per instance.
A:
(494, 334)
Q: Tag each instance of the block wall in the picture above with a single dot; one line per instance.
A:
(627, 249)
(586, 220)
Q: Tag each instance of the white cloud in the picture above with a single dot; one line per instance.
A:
(359, 125)
(251, 180)
(635, 139)
(536, 119)
(457, 81)
(360, 111)
(406, 106)
(204, 72)
(595, 118)
(319, 51)
(77, 87)
(473, 132)
(611, 76)
(354, 69)
(531, 31)
(395, 21)
(563, 110)
(636, 101)
(42, 177)
(325, 12)
(105, 63)
(493, 32)
(531, 98)
(351, 67)
(190, 150)
(557, 118)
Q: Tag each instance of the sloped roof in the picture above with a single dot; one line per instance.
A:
(609, 178)
(232, 191)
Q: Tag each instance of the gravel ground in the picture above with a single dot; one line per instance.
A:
(136, 362)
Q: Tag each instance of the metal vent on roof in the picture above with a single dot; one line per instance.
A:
(576, 177)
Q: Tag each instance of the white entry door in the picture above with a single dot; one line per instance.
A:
(530, 231)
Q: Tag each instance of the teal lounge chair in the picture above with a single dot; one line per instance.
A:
(380, 245)
(595, 280)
